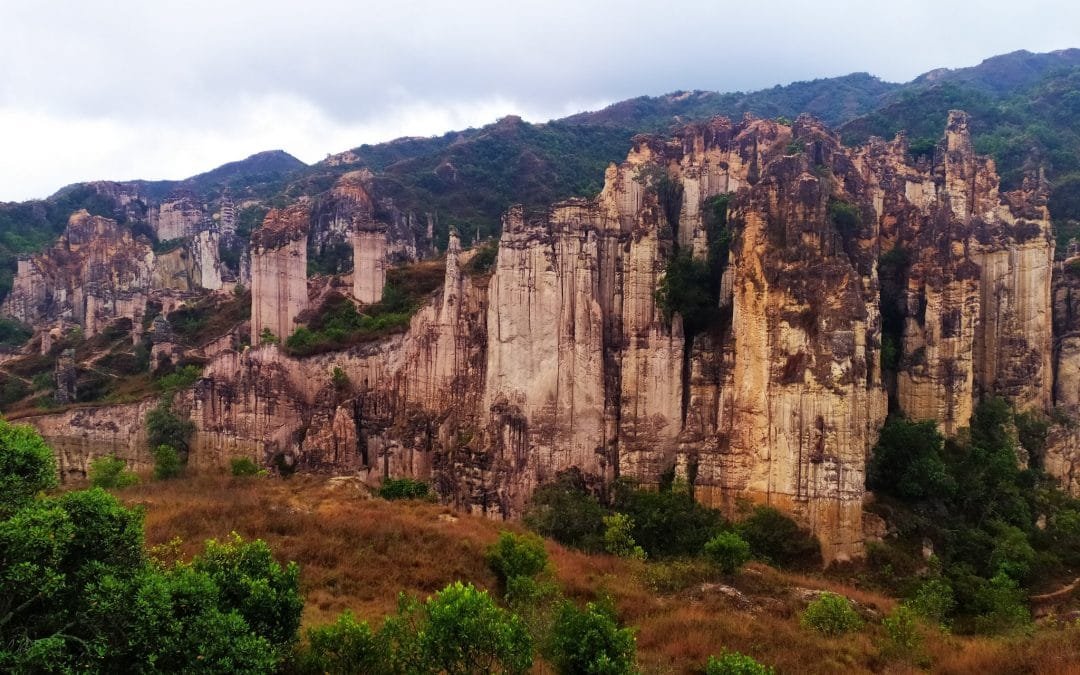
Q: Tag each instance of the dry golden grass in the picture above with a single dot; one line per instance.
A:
(358, 553)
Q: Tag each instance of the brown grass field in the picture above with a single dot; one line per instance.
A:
(357, 552)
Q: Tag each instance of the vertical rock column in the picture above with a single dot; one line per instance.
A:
(369, 265)
(279, 271)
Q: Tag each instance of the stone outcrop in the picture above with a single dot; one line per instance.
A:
(279, 271)
(178, 216)
(856, 279)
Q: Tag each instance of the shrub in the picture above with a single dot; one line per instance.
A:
(734, 663)
(672, 576)
(831, 614)
(167, 462)
(567, 512)
(903, 639)
(404, 488)
(591, 641)
(181, 379)
(933, 600)
(252, 583)
(165, 427)
(908, 461)
(267, 337)
(344, 647)
(339, 379)
(517, 555)
(243, 466)
(690, 289)
(458, 630)
(728, 551)
(777, 539)
(1000, 605)
(669, 522)
(109, 472)
(618, 539)
(27, 465)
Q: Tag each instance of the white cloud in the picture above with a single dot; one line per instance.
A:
(130, 88)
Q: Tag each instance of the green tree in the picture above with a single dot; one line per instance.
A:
(110, 472)
(619, 538)
(734, 663)
(517, 555)
(27, 465)
(165, 427)
(345, 647)
(167, 462)
(777, 539)
(908, 461)
(566, 511)
(590, 641)
(728, 551)
(831, 614)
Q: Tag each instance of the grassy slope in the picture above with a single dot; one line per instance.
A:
(358, 553)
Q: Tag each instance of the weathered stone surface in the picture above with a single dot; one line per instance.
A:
(279, 271)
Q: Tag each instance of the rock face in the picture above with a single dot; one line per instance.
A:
(178, 216)
(279, 271)
(849, 281)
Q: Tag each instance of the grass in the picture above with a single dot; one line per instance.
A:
(357, 552)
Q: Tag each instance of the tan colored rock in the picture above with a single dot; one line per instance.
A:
(279, 272)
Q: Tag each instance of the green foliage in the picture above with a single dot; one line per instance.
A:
(734, 663)
(483, 260)
(267, 337)
(934, 600)
(1012, 555)
(110, 472)
(845, 216)
(566, 511)
(404, 488)
(339, 379)
(181, 379)
(590, 641)
(27, 466)
(619, 538)
(1000, 605)
(346, 647)
(668, 522)
(831, 614)
(457, 631)
(908, 461)
(517, 555)
(777, 539)
(243, 466)
(339, 324)
(902, 637)
(728, 551)
(251, 583)
(164, 426)
(691, 289)
(167, 462)
(13, 333)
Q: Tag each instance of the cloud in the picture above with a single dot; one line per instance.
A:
(126, 88)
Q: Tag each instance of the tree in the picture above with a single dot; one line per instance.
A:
(165, 427)
(734, 663)
(27, 466)
(831, 614)
(908, 461)
(618, 537)
(777, 539)
(110, 472)
(567, 512)
(728, 551)
(345, 647)
(590, 641)
(167, 462)
(517, 555)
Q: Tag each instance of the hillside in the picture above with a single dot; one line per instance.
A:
(357, 552)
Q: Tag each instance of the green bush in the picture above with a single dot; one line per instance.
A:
(831, 614)
(110, 472)
(404, 488)
(902, 637)
(689, 288)
(672, 576)
(591, 641)
(778, 540)
(345, 647)
(517, 555)
(181, 379)
(165, 427)
(934, 600)
(458, 630)
(167, 462)
(668, 522)
(27, 465)
(251, 583)
(1000, 605)
(619, 538)
(567, 512)
(243, 466)
(908, 461)
(734, 663)
(728, 551)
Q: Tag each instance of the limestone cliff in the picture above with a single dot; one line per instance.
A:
(847, 280)
(279, 271)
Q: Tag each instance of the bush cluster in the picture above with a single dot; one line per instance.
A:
(404, 488)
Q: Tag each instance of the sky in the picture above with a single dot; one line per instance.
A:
(123, 89)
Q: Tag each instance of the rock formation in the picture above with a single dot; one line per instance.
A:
(846, 281)
(279, 271)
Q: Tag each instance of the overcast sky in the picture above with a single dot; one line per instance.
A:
(165, 89)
